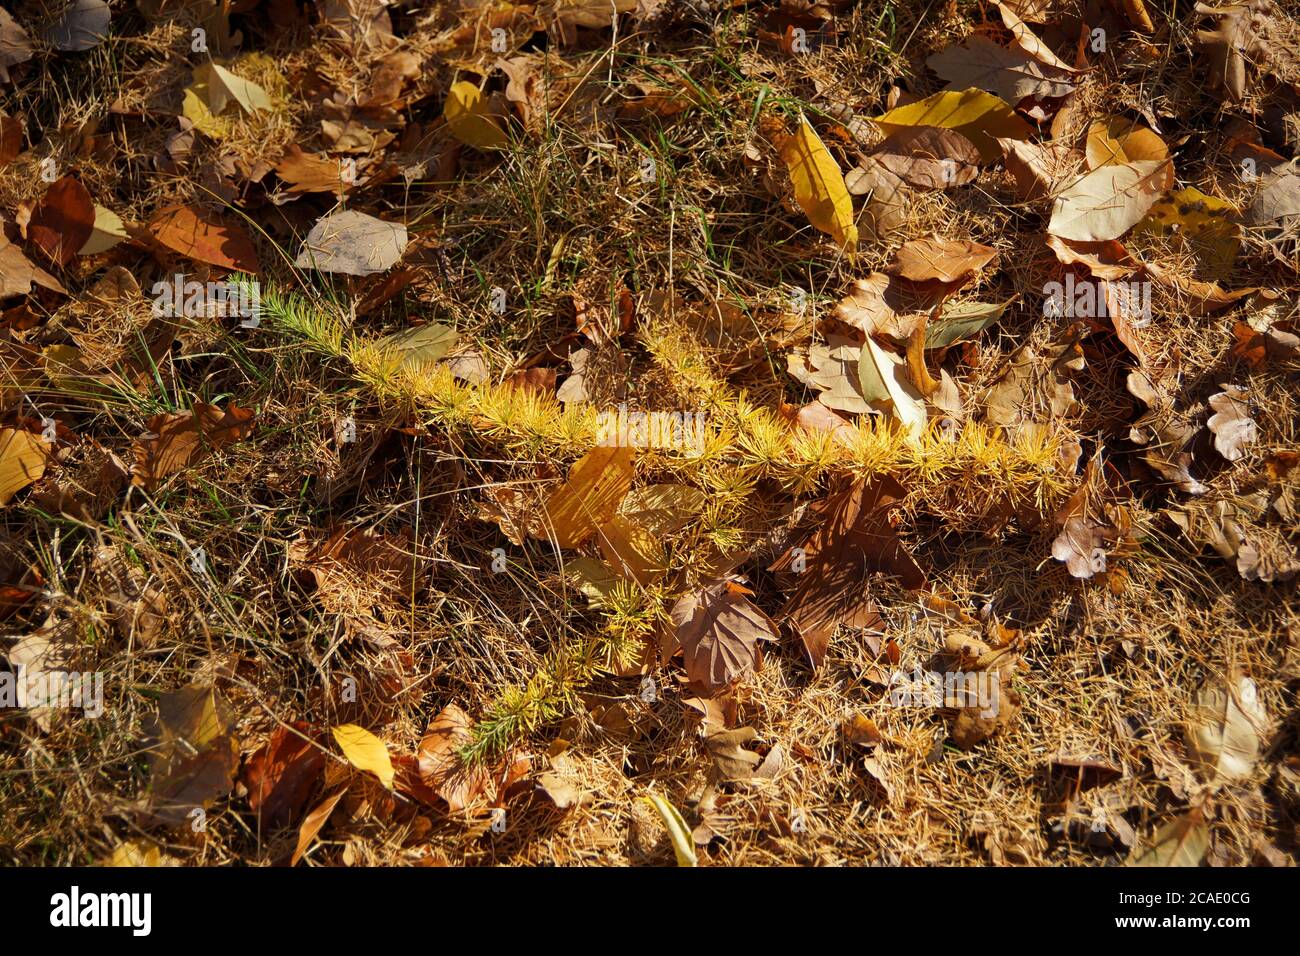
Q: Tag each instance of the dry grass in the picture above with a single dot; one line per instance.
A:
(1107, 668)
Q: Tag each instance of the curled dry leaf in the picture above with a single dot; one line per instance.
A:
(885, 384)
(1105, 260)
(1231, 424)
(175, 441)
(718, 631)
(1027, 40)
(886, 208)
(1040, 170)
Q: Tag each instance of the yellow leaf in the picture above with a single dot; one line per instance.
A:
(819, 186)
(22, 461)
(197, 112)
(1190, 220)
(466, 114)
(678, 832)
(365, 751)
(589, 499)
(1119, 140)
(981, 117)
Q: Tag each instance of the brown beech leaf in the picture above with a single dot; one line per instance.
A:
(281, 775)
(1231, 424)
(732, 763)
(203, 236)
(311, 173)
(855, 540)
(62, 221)
(944, 260)
(718, 631)
(177, 440)
(314, 821)
(889, 305)
(929, 157)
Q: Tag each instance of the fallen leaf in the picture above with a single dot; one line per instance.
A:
(1011, 74)
(731, 762)
(885, 382)
(1027, 40)
(718, 631)
(1231, 424)
(1110, 200)
(946, 260)
(219, 87)
(83, 26)
(108, 231)
(981, 117)
(1105, 260)
(175, 441)
(1115, 140)
(193, 754)
(23, 459)
(678, 833)
(312, 823)
(280, 776)
(203, 236)
(590, 497)
(440, 765)
(365, 751)
(1223, 733)
(819, 187)
(311, 172)
(1040, 169)
(62, 221)
(1180, 842)
(352, 243)
(15, 45)
(854, 540)
(928, 157)
(468, 117)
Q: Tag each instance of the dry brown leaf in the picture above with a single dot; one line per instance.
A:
(928, 157)
(944, 260)
(718, 631)
(177, 440)
(1012, 74)
(194, 755)
(1110, 200)
(62, 221)
(1223, 733)
(203, 236)
(855, 540)
(23, 459)
(1041, 170)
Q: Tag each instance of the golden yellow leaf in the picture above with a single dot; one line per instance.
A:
(819, 186)
(589, 499)
(1119, 140)
(365, 751)
(466, 114)
(981, 117)
(22, 461)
